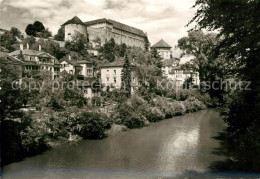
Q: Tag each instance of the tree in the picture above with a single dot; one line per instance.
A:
(236, 22)
(108, 51)
(78, 44)
(16, 32)
(12, 98)
(30, 30)
(61, 34)
(44, 33)
(7, 40)
(38, 26)
(126, 76)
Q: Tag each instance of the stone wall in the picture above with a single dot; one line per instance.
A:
(73, 29)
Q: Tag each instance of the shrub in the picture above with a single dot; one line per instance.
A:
(94, 125)
(134, 121)
(154, 114)
(178, 108)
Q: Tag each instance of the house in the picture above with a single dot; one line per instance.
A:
(111, 75)
(168, 65)
(163, 48)
(91, 89)
(36, 61)
(80, 68)
(173, 71)
(70, 66)
(180, 75)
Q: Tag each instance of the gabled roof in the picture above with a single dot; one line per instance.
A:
(31, 53)
(72, 62)
(117, 25)
(170, 62)
(161, 44)
(74, 20)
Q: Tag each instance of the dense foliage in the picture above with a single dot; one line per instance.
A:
(238, 26)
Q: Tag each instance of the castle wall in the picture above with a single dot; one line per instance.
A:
(73, 29)
(104, 32)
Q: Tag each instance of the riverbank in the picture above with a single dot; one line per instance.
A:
(162, 149)
(37, 131)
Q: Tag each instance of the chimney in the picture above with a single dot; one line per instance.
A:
(40, 47)
(69, 57)
(21, 46)
(28, 46)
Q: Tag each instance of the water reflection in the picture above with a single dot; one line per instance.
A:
(173, 147)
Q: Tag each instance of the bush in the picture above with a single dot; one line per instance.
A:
(134, 121)
(154, 114)
(94, 125)
(193, 104)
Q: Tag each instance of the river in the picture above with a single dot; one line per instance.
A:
(177, 147)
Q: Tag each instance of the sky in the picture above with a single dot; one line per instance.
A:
(161, 19)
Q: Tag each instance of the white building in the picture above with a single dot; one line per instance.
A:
(37, 60)
(172, 70)
(163, 48)
(111, 76)
(82, 68)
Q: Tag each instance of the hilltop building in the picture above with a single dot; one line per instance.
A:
(102, 30)
(163, 48)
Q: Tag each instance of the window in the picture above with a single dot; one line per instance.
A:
(107, 79)
(114, 80)
(69, 33)
(107, 70)
(115, 72)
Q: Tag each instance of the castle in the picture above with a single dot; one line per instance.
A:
(102, 30)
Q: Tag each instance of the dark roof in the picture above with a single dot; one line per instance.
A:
(118, 63)
(161, 44)
(117, 25)
(170, 62)
(74, 20)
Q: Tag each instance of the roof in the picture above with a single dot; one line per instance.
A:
(2, 49)
(117, 25)
(84, 62)
(161, 44)
(170, 62)
(118, 63)
(5, 58)
(30, 52)
(72, 62)
(74, 20)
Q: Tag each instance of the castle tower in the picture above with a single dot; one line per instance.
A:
(163, 48)
(74, 26)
